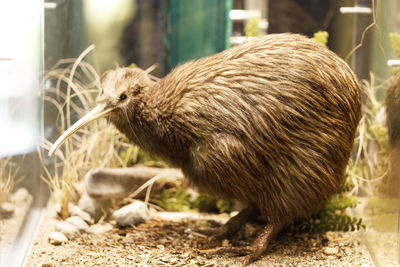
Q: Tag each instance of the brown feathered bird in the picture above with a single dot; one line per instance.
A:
(391, 183)
(270, 123)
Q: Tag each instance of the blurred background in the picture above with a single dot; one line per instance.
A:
(36, 35)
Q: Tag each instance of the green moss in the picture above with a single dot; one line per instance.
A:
(321, 37)
(133, 155)
(173, 200)
(252, 28)
(206, 203)
(395, 43)
(176, 199)
(340, 203)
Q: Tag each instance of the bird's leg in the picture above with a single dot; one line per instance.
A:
(261, 243)
(232, 226)
(258, 247)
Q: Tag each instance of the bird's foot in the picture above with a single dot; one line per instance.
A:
(227, 230)
(254, 251)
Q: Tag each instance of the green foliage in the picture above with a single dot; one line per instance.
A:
(395, 43)
(327, 220)
(133, 155)
(252, 28)
(332, 217)
(132, 66)
(340, 203)
(321, 37)
(176, 199)
(348, 185)
(206, 203)
(173, 200)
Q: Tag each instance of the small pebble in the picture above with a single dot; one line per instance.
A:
(79, 223)
(94, 207)
(76, 211)
(225, 243)
(21, 195)
(6, 209)
(69, 230)
(57, 238)
(132, 214)
(101, 228)
(331, 251)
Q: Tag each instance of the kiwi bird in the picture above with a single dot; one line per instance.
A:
(270, 123)
(391, 184)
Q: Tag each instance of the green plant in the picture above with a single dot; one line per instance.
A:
(321, 37)
(252, 28)
(177, 199)
(395, 43)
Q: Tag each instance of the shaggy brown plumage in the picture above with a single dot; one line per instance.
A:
(391, 183)
(270, 122)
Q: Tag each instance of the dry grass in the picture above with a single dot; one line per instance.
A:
(8, 177)
(371, 147)
(71, 86)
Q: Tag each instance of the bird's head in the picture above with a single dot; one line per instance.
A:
(122, 91)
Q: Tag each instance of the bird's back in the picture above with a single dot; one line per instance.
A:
(271, 122)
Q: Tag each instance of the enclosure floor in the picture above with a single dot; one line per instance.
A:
(165, 242)
(10, 227)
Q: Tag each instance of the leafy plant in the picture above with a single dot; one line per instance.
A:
(321, 37)
(395, 43)
(252, 28)
(177, 199)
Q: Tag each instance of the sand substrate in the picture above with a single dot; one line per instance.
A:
(167, 242)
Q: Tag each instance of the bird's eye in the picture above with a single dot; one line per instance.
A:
(122, 96)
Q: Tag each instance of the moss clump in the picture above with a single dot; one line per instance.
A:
(174, 199)
(395, 44)
(177, 199)
(252, 28)
(133, 155)
(206, 203)
(321, 37)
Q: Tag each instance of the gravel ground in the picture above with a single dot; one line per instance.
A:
(10, 227)
(166, 242)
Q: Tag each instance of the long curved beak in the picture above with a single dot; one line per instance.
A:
(96, 113)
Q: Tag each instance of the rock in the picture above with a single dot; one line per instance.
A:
(95, 208)
(6, 209)
(100, 228)
(21, 195)
(120, 182)
(76, 211)
(57, 238)
(69, 230)
(132, 214)
(331, 250)
(79, 223)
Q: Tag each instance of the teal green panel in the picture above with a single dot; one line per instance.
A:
(196, 28)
